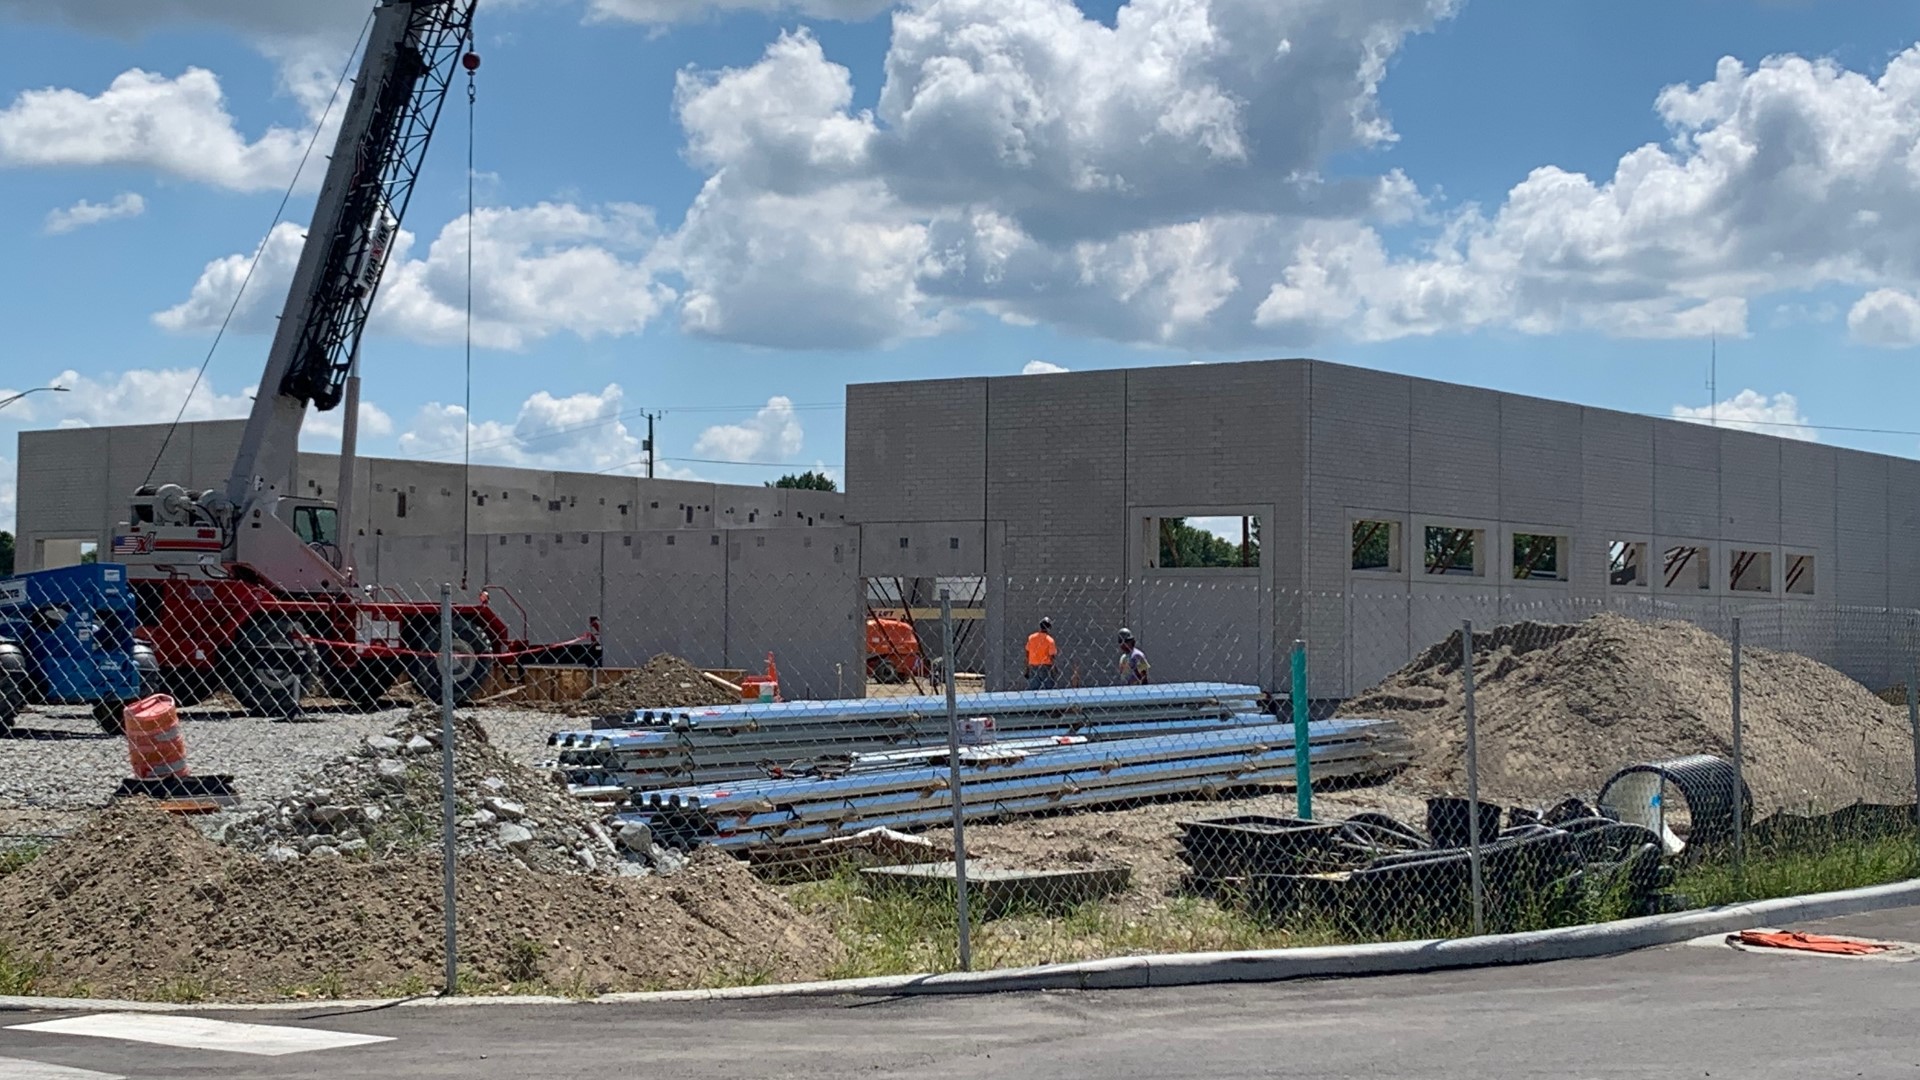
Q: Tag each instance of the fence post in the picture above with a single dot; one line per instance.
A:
(1473, 779)
(954, 784)
(448, 830)
(1739, 765)
(1913, 721)
(1302, 758)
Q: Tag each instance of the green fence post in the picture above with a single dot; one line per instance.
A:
(1302, 767)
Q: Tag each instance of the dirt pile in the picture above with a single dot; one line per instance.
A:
(139, 904)
(665, 682)
(1561, 707)
(384, 799)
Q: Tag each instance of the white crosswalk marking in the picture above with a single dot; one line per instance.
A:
(19, 1069)
(195, 1033)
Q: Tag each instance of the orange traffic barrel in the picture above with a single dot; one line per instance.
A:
(154, 743)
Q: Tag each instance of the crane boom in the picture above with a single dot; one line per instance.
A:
(411, 54)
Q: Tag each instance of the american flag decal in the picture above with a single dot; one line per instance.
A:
(134, 544)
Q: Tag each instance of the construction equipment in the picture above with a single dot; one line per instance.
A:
(67, 638)
(893, 650)
(250, 588)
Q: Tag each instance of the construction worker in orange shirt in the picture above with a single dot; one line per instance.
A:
(1041, 653)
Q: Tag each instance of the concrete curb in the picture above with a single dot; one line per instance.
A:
(1182, 969)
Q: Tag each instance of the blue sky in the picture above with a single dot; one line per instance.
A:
(726, 210)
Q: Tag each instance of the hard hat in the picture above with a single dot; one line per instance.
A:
(1045, 622)
(1126, 635)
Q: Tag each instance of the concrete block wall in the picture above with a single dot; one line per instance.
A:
(720, 598)
(1076, 462)
(75, 483)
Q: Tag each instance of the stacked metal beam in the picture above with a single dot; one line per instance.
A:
(1003, 781)
(660, 749)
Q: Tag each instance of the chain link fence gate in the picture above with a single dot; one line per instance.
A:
(646, 791)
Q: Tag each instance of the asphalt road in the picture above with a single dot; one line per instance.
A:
(1682, 1011)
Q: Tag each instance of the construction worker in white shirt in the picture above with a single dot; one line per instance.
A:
(1133, 662)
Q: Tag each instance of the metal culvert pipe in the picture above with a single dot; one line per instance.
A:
(1638, 795)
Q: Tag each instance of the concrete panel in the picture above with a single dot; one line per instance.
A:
(1903, 524)
(1808, 487)
(1616, 474)
(215, 444)
(1750, 487)
(1204, 628)
(554, 577)
(1231, 436)
(1068, 492)
(416, 566)
(917, 451)
(1686, 501)
(62, 487)
(1455, 462)
(664, 591)
(811, 508)
(951, 548)
(1379, 622)
(1540, 461)
(783, 597)
(673, 504)
(595, 503)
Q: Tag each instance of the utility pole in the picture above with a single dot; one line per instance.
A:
(648, 445)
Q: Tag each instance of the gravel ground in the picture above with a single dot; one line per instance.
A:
(56, 766)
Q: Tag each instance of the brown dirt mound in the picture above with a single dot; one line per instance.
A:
(665, 682)
(139, 904)
(1561, 707)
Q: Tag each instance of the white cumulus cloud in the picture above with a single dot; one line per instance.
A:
(1750, 410)
(537, 271)
(773, 434)
(324, 430)
(9, 493)
(584, 432)
(673, 11)
(1889, 318)
(1042, 367)
(83, 213)
(176, 126)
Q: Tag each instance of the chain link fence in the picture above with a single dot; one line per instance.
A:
(690, 780)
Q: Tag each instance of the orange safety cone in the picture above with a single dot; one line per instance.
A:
(773, 678)
(157, 752)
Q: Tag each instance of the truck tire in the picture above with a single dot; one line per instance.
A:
(364, 684)
(13, 683)
(470, 670)
(110, 714)
(267, 669)
(186, 686)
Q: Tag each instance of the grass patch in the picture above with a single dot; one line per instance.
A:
(1812, 866)
(897, 932)
(185, 990)
(20, 974)
(19, 856)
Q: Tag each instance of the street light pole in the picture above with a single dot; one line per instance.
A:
(4, 402)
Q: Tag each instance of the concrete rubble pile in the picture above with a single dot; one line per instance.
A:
(384, 798)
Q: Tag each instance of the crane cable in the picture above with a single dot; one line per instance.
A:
(471, 61)
(246, 279)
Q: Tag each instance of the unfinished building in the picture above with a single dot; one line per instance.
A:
(1377, 511)
(721, 574)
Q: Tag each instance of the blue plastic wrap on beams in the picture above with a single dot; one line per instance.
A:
(1064, 758)
(981, 704)
(698, 825)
